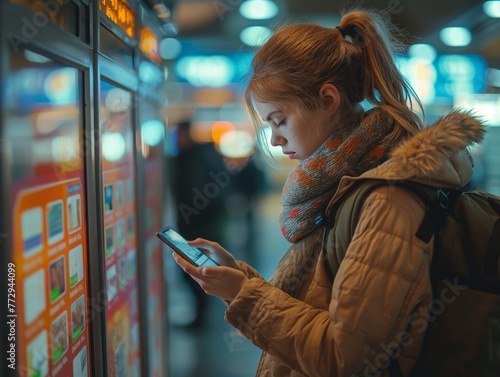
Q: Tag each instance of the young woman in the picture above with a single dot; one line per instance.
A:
(308, 83)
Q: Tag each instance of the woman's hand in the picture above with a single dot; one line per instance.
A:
(216, 252)
(223, 282)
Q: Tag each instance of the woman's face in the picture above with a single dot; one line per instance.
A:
(298, 135)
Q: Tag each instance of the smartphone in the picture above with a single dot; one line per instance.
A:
(179, 244)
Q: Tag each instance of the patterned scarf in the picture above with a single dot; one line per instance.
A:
(312, 184)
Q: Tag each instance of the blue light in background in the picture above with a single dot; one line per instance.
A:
(447, 76)
(423, 51)
(492, 8)
(212, 71)
(258, 9)
(455, 36)
(152, 132)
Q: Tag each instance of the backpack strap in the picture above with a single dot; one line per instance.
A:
(350, 205)
(353, 199)
(438, 202)
(394, 369)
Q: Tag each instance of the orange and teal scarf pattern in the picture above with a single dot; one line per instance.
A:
(313, 182)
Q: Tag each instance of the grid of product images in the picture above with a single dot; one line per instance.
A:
(119, 227)
(53, 316)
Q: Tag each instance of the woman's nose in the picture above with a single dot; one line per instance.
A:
(277, 140)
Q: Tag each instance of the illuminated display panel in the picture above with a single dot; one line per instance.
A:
(43, 123)
(120, 238)
(149, 44)
(63, 14)
(121, 14)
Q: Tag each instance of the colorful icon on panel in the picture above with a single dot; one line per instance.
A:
(32, 228)
(119, 195)
(108, 198)
(120, 232)
(59, 337)
(112, 282)
(132, 264)
(75, 265)
(55, 222)
(57, 279)
(37, 351)
(77, 318)
(34, 296)
(80, 368)
(74, 213)
(122, 272)
(110, 240)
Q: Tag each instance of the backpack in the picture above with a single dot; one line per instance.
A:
(463, 335)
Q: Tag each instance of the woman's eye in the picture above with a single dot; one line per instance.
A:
(281, 123)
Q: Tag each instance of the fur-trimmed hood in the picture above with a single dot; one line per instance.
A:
(437, 155)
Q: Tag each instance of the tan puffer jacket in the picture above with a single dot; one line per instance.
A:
(381, 290)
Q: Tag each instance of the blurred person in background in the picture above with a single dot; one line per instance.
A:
(198, 170)
(248, 183)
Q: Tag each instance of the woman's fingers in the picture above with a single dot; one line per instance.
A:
(215, 251)
(210, 246)
(223, 282)
(211, 272)
(185, 265)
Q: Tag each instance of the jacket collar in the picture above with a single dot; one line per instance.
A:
(436, 156)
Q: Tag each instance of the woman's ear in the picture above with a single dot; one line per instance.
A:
(330, 97)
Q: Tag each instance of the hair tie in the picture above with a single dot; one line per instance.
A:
(341, 30)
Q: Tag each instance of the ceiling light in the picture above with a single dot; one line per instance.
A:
(422, 51)
(492, 8)
(255, 35)
(170, 48)
(455, 36)
(213, 71)
(219, 129)
(113, 146)
(152, 132)
(237, 144)
(258, 9)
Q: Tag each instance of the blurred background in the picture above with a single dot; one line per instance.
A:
(452, 59)
(120, 117)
